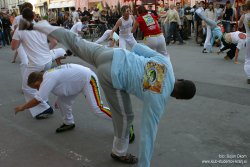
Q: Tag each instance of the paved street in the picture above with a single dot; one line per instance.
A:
(215, 125)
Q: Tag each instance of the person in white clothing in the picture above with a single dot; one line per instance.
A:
(234, 41)
(245, 19)
(58, 54)
(111, 41)
(79, 26)
(125, 24)
(75, 15)
(67, 82)
(37, 49)
(20, 51)
(211, 14)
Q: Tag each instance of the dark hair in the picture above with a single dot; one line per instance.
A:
(73, 8)
(34, 77)
(28, 14)
(141, 9)
(26, 5)
(187, 89)
(228, 2)
(123, 9)
(84, 18)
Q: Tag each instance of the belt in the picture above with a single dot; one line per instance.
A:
(156, 35)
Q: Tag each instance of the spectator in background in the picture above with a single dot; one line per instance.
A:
(12, 17)
(74, 14)
(180, 11)
(218, 11)
(189, 15)
(96, 15)
(162, 17)
(68, 23)
(174, 22)
(6, 28)
(85, 12)
(199, 30)
(227, 17)
(52, 17)
(2, 40)
(79, 12)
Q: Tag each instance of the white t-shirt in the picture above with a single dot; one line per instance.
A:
(126, 26)
(237, 40)
(35, 45)
(75, 16)
(56, 53)
(76, 27)
(64, 80)
(17, 20)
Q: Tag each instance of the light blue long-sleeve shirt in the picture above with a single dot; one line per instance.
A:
(128, 73)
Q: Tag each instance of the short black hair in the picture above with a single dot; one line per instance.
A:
(28, 14)
(187, 89)
(84, 18)
(141, 9)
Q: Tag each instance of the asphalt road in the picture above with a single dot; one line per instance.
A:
(214, 125)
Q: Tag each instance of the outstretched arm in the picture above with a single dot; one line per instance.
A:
(32, 103)
(117, 24)
(149, 126)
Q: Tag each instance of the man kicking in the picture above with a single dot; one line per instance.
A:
(143, 72)
(216, 33)
(66, 82)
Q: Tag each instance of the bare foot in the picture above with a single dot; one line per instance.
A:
(236, 62)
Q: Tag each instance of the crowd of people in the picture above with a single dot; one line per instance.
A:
(130, 68)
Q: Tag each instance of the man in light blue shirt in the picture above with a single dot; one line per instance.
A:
(142, 72)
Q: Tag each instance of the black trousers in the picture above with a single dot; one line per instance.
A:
(231, 46)
(174, 31)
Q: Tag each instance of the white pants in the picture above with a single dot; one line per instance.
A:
(92, 93)
(30, 92)
(104, 37)
(207, 44)
(247, 59)
(24, 60)
(157, 43)
(126, 40)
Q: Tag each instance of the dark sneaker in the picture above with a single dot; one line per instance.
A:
(65, 127)
(25, 25)
(204, 51)
(45, 114)
(128, 158)
(68, 53)
(131, 134)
